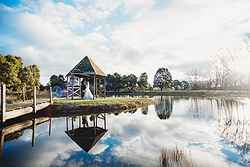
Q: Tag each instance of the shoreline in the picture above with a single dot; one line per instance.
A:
(202, 93)
(64, 107)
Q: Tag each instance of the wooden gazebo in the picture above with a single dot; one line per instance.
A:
(88, 131)
(86, 71)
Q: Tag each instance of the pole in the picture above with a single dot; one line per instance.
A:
(72, 123)
(3, 101)
(34, 100)
(67, 87)
(33, 132)
(94, 94)
(50, 123)
(105, 84)
(79, 121)
(51, 95)
(67, 123)
(72, 89)
(2, 136)
(105, 122)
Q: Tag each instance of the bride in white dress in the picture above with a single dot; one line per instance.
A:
(88, 95)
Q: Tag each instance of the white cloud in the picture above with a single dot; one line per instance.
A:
(186, 32)
(181, 36)
(142, 141)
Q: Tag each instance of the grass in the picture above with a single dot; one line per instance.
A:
(65, 107)
(174, 158)
(104, 101)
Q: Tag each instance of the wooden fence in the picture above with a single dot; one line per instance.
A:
(5, 115)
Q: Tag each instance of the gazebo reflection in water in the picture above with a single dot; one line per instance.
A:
(85, 130)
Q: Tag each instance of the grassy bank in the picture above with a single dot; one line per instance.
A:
(211, 93)
(63, 107)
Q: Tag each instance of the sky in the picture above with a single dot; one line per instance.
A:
(125, 36)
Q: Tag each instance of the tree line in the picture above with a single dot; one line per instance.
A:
(130, 83)
(17, 76)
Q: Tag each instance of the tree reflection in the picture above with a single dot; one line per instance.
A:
(164, 107)
(233, 120)
(233, 125)
(144, 110)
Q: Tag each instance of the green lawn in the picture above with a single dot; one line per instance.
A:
(103, 101)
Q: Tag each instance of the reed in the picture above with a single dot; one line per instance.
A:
(174, 158)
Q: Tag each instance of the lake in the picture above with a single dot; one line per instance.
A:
(209, 131)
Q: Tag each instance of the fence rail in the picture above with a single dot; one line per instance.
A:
(10, 110)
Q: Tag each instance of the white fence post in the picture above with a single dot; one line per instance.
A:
(3, 101)
(34, 100)
(51, 95)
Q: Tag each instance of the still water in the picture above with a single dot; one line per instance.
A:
(211, 132)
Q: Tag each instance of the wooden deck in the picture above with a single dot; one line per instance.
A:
(24, 111)
(10, 111)
(20, 104)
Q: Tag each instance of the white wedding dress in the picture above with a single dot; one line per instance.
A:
(88, 95)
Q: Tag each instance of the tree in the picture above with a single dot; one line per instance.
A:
(30, 78)
(131, 82)
(143, 81)
(185, 85)
(162, 78)
(124, 82)
(16, 77)
(164, 107)
(113, 82)
(177, 85)
(10, 67)
(117, 84)
(57, 81)
(110, 82)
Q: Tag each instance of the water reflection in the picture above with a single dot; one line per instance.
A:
(144, 110)
(14, 131)
(164, 107)
(84, 134)
(214, 128)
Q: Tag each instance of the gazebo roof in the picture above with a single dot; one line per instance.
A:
(86, 67)
(86, 138)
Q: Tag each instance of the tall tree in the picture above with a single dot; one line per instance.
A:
(10, 67)
(110, 82)
(30, 78)
(143, 81)
(15, 76)
(185, 85)
(177, 85)
(162, 78)
(132, 82)
(117, 85)
(57, 81)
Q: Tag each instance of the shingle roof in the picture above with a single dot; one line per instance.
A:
(86, 67)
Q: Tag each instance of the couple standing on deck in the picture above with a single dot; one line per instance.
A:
(86, 91)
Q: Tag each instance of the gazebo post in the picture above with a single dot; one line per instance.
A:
(67, 87)
(81, 87)
(94, 86)
(72, 86)
(105, 84)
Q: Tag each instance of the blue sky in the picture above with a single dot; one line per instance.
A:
(125, 36)
(11, 3)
